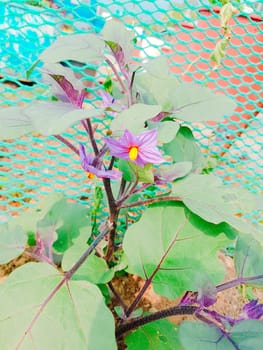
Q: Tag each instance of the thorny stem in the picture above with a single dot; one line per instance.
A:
(67, 143)
(66, 278)
(172, 311)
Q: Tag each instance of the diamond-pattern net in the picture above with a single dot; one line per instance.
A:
(185, 32)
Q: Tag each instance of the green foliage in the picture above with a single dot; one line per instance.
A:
(249, 259)
(87, 48)
(134, 118)
(160, 243)
(94, 269)
(246, 334)
(158, 335)
(206, 196)
(31, 317)
(12, 242)
(166, 130)
(46, 118)
(184, 148)
(133, 172)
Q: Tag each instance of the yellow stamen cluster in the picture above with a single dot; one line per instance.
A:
(133, 153)
(90, 176)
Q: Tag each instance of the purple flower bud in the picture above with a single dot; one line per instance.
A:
(140, 149)
(88, 164)
(253, 310)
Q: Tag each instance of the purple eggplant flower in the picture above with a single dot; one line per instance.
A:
(253, 310)
(92, 169)
(140, 149)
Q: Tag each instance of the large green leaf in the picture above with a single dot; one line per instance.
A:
(194, 103)
(28, 220)
(14, 122)
(206, 196)
(166, 130)
(94, 269)
(245, 335)
(52, 118)
(183, 148)
(47, 118)
(71, 218)
(165, 237)
(12, 242)
(134, 118)
(79, 47)
(158, 335)
(156, 89)
(249, 258)
(72, 319)
(116, 32)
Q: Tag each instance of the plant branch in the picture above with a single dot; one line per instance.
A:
(88, 127)
(236, 282)
(151, 201)
(116, 75)
(149, 280)
(172, 311)
(66, 278)
(67, 143)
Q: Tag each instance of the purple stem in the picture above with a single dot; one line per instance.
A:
(150, 201)
(66, 278)
(67, 143)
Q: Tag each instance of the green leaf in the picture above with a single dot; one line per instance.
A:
(12, 242)
(155, 89)
(14, 123)
(133, 172)
(158, 335)
(249, 258)
(94, 269)
(71, 319)
(183, 148)
(28, 220)
(79, 47)
(206, 196)
(134, 118)
(194, 103)
(248, 334)
(116, 32)
(244, 335)
(172, 172)
(165, 236)
(47, 118)
(167, 130)
(197, 336)
(73, 217)
(158, 67)
(52, 118)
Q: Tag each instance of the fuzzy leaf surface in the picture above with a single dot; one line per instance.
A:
(44, 117)
(158, 335)
(194, 103)
(183, 148)
(87, 48)
(165, 237)
(206, 196)
(134, 118)
(12, 242)
(94, 269)
(71, 319)
(243, 336)
(249, 258)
